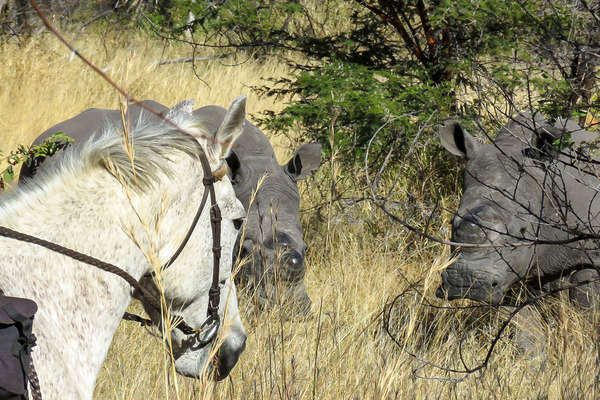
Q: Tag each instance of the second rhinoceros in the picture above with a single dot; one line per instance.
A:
(529, 213)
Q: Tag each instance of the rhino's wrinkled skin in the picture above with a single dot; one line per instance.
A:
(273, 241)
(521, 188)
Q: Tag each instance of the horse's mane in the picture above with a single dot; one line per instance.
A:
(150, 146)
(150, 143)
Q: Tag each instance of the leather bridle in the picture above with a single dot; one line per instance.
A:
(210, 327)
(207, 332)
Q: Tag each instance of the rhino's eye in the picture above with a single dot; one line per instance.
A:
(468, 229)
(470, 226)
(466, 221)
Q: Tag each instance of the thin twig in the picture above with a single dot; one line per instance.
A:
(190, 59)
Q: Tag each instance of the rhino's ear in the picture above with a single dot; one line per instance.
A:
(231, 128)
(457, 140)
(543, 142)
(305, 161)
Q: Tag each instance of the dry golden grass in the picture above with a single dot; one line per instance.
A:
(41, 84)
(358, 261)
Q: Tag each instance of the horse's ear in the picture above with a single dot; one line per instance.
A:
(231, 128)
(457, 140)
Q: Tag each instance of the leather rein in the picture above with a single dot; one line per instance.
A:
(207, 332)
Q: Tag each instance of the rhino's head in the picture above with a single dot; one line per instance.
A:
(503, 201)
(271, 248)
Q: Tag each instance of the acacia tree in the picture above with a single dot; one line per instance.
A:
(395, 63)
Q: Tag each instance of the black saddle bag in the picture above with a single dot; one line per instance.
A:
(16, 341)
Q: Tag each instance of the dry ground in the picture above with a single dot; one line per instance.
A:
(358, 261)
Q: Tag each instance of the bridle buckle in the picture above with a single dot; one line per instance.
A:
(208, 331)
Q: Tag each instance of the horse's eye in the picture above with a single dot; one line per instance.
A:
(237, 223)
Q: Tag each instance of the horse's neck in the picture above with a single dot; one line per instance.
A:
(79, 306)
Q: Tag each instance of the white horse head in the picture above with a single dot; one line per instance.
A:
(130, 205)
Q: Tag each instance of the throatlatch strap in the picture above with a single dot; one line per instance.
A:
(190, 231)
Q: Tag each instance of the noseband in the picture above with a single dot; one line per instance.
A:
(207, 332)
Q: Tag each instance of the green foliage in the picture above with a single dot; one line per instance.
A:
(371, 79)
(233, 22)
(395, 69)
(32, 155)
(353, 103)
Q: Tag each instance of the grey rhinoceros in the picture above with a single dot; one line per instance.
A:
(535, 182)
(273, 240)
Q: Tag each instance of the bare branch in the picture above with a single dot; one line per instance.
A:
(191, 59)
